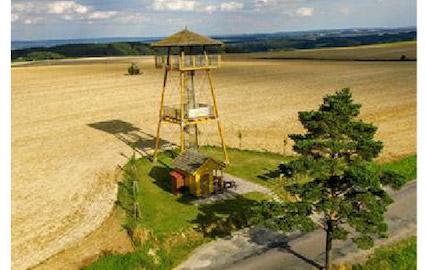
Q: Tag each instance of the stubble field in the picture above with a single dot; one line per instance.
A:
(74, 121)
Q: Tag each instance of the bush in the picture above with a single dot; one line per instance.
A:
(133, 69)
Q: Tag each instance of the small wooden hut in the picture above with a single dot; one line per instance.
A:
(201, 174)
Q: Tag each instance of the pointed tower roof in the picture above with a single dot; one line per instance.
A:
(186, 38)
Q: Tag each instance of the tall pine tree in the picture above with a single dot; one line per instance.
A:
(344, 188)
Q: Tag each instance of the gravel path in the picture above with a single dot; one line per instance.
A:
(242, 187)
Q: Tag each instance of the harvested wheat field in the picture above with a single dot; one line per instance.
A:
(73, 122)
(375, 52)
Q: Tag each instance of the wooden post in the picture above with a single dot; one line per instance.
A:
(206, 58)
(136, 210)
(197, 143)
(182, 103)
(135, 188)
(285, 142)
(157, 138)
(216, 114)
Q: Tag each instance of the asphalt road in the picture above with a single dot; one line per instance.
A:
(306, 252)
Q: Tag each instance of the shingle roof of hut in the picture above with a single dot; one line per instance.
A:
(186, 38)
(191, 160)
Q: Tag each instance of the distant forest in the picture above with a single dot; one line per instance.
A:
(235, 44)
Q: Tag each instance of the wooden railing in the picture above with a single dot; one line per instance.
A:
(188, 62)
(200, 111)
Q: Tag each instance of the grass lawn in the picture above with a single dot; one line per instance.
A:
(407, 167)
(261, 167)
(161, 211)
(399, 256)
(170, 227)
(258, 167)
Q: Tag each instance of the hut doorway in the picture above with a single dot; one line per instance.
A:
(204, 183)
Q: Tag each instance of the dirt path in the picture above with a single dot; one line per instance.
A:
(72, 123)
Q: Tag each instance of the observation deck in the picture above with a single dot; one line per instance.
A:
(188, 62)
(201, 113)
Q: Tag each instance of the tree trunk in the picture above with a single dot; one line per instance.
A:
(328, 245)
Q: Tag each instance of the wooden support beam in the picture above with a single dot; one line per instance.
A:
(197, 143)
(216, 114)
(157, 138)
(182, 107)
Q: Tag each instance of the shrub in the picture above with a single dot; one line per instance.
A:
(133, 69)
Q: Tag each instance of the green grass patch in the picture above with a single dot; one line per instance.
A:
(257, 196)
(399, 256)
(161, 211)
(407, 167)
(257, 167)
(261, 167)
(170, 227)
(152, 254)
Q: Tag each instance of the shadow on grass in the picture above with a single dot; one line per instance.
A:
(131, 135)
(161, 177)
(269, 174)
(219, 219)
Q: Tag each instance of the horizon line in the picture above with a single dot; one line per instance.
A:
(223, 35)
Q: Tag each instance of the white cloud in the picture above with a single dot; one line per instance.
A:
(231, 6)
(209, 8)
(67, 17)
(66, 7)
(345, 10)
(100, 15)
(27, 8)
(33, 12)
(190, 5)
(133, 18)
(305, 11)
(14, 17)
(174, 5)
(265, 3)
(23, 7)
(31, 20)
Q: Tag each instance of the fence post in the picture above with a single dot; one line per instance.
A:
(136, 210)
(135, 188)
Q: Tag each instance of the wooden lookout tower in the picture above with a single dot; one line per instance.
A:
(186, 53)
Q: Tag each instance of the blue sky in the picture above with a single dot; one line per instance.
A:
(48, 19)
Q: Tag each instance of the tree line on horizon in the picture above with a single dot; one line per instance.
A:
(245, 45)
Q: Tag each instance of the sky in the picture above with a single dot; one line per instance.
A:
(71, 19)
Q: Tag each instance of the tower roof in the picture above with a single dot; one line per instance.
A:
(186, 38)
